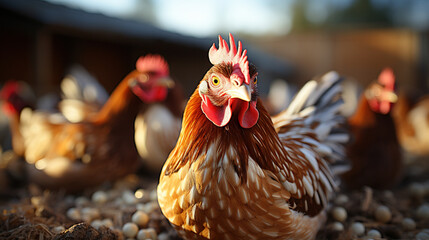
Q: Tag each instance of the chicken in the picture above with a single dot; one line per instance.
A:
(80, 155)
(157, 129)
(412, 124)
(157, 126)
(374, 152)
(237, 173)
(16, 96)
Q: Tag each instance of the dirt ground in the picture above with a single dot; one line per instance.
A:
(28, 212)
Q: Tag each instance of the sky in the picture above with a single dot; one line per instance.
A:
(202, 18)
(206, 17)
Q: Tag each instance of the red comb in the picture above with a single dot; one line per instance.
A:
(387, 78)
(153, 63)
(234, 56)
(9, 88)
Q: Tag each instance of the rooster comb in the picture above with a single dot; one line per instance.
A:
(9, 88)
(153, 63)
(234, 56)
(387, 78)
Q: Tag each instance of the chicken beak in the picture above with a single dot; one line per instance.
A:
(243, 92)
(391, 97)
(165, 82)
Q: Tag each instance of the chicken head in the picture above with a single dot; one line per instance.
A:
(229, 86)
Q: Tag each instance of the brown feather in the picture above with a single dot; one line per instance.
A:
(201, 133)
(101, 148)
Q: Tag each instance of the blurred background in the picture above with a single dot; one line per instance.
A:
(291, 40)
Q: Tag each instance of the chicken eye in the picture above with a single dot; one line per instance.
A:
(215, 81)
(255, 80)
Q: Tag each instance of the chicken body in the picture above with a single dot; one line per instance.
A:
(157, 126)
(374, 152)
(22, 97)
(75, 156)
(80, 155)
(157, 130)
(412, 124)
(246, 179)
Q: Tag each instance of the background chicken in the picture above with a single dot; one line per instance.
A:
(157, 126)
(234, 174)
(15, 96)
(412, 124)
(101, 148)
(374, 150)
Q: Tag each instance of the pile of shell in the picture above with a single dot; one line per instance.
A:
(402, 213)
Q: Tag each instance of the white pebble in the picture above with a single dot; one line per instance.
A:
(408, 224)
(341, 199)
(150, 207)
(140, 193)
(388, 194)
(339, 214)
(96, 224)
(130, 229)
(89, 213)
(337, 226)
(153, 195)
(140, 206)
(58, 229)
(148, 233)
(423, 211)
(69, 199)
(99, 197)
(113, 193)
(417, 190)
(383, 214)
(119, 201)
(107, 222)
(374, 233)
(73, 214)
(81, 201)
(140, 218)
(129, 197)
(163, 236)
(358, 228)
(423, 235)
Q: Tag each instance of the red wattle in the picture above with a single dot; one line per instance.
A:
(219, 116)
(382, 107)
(155, 94)
(247, 113)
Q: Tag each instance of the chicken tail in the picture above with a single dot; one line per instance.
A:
(317, 106)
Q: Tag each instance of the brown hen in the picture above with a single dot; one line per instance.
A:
(374, 151)
(234, 174)
(412, 124)
(75, 156)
